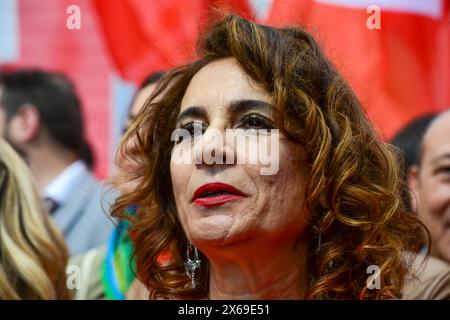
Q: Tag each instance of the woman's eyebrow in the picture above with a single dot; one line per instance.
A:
(242, 106)
(442, 157)
(236, 107)
(192, 112)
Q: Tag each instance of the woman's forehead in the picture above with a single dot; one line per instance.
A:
(219, 83)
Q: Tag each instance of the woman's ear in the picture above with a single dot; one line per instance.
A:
(414, 186)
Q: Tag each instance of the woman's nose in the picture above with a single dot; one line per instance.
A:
(212, 148)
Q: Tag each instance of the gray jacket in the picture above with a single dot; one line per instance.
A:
(84, 219)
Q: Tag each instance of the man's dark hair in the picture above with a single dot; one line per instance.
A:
(151, 78)
(409, 139)
(54, 96)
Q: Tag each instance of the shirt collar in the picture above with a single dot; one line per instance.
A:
(60, 188)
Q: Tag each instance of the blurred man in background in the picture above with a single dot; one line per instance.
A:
(408, 141)
(40, 116)
(432, 280)
(430, 183)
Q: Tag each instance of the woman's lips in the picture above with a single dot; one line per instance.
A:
(216, 194)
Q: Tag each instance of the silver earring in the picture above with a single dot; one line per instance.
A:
(191, 264)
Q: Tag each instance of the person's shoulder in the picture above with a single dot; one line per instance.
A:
(89, 265)
(138, 291)
(434, 267)
(93, 184)
(429, 279)
(100, 192)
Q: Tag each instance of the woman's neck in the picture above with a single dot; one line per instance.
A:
(268, 272)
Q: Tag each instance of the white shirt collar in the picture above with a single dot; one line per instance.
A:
(60, 188)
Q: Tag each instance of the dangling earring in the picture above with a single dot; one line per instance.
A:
(191, 264)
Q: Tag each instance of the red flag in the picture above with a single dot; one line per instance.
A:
(399, 71)
(145, 36)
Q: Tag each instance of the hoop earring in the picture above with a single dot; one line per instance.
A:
(191, 265)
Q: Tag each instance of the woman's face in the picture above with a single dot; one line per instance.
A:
(127, 164)
(222, 200)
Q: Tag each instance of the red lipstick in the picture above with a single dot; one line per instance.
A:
(216, 194)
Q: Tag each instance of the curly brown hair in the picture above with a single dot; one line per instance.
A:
(353, 187)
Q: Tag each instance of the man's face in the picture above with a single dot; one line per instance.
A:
(432, 185)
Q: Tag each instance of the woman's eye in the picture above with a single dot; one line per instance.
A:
(443, 171)
(190, 130)
(195, 128)
(254, 121)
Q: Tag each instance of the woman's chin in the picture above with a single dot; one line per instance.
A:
(212, 230)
